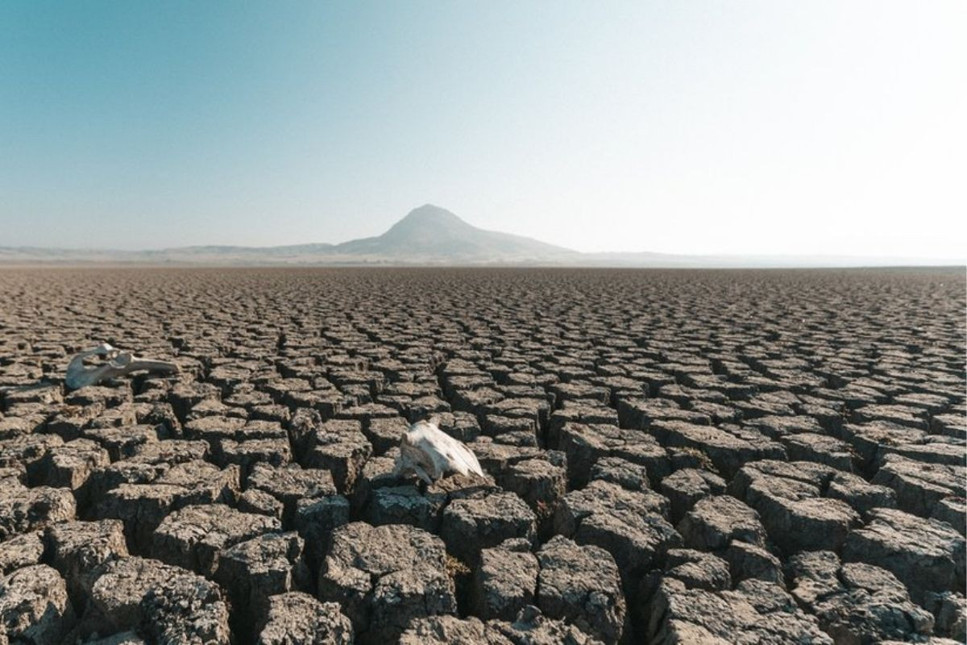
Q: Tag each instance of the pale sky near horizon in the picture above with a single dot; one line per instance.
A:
(769, 127)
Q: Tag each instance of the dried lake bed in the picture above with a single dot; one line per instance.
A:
(671, 456)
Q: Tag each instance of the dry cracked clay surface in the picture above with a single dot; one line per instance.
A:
(669, 457)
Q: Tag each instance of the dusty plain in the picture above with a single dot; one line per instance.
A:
(672, 457)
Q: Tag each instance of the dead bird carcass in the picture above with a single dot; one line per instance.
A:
(117, 363)
(430, 453)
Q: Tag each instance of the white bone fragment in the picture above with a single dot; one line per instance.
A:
(428, 452)
(118, 363)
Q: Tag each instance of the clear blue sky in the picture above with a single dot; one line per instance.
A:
(726, 127)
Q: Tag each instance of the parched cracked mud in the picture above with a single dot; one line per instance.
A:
(670, 457)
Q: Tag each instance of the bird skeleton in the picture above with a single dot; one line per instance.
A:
(430, 453)
(118, 363)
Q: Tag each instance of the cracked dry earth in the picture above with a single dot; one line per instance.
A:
(671, 457)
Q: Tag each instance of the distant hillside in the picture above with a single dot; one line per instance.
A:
(431, 236)
(435, 235)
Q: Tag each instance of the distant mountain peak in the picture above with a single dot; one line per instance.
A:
(428, 225)
(427, 211)
(434, 234)
(429, 215)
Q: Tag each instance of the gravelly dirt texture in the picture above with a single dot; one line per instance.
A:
(671, 457)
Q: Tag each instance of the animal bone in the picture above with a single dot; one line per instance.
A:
(430, 453)
(118, 363)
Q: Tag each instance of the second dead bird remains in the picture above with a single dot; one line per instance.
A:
(430, 453)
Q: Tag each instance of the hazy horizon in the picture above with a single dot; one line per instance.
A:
(754, 129)
(76, 254)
